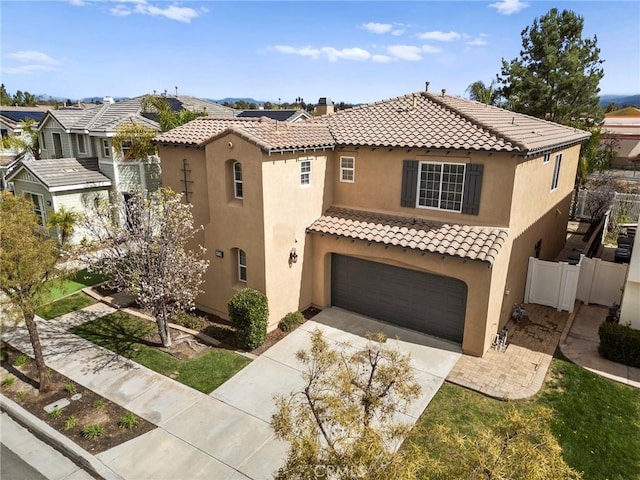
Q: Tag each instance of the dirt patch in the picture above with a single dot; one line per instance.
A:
(89, 409)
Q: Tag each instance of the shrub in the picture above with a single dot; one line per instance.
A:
(98, 404)
(129, 420)
(70, 387)
(189, 320)
(8, 381)
(620, 343)
(249, 313)
(92, 431)
(56, 413)
(21, 394)
(290, 321)
(21, 360)
(70, 422)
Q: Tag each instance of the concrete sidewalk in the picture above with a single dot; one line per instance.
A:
(581, 347)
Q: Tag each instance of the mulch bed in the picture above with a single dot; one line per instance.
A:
(90, 409)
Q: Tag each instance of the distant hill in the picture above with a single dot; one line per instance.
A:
(620, 100)
(235, 100)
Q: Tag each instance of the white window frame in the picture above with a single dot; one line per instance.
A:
(348, 170)
(82, 144)
(125, 147)
(242, 265)
(238, 183)
(38, 208)
(556, 172)
(305, 172)
(440, 199)
(547, 158)
(106, 149)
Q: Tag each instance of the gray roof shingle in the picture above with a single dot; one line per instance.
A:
(464, 241)
(56, 174)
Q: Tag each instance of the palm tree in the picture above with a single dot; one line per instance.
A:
(65, 221)
(483, 93)
(25, 142)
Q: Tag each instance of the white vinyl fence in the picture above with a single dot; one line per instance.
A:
(558, 284)
(625, 206)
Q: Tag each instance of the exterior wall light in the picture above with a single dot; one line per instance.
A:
(293, 257)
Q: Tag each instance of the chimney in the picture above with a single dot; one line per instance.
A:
(426, 86)
(176, 91)
(415, 101)
(444, 92)
(325, 106)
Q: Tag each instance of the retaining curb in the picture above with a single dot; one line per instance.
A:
(58, 441)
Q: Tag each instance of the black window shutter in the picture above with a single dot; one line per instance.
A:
(472, 189)
(409, 183)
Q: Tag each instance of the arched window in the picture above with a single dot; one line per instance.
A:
(237, 179)
(242, 265)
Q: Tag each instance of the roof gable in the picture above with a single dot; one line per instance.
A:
(63, 173)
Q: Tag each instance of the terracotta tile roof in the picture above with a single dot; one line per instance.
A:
(425, 120)
(268, 134)
(465, 241)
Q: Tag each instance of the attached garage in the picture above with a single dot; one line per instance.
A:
(421, 301)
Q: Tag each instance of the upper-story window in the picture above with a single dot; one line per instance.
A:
(556, 172)
(82, 146)
(440, 185)
(546, 158)
(237, 180)
(125, 147)
(43, 141)
(106, 148)
(38, 206)
(242, 265)
(305, 171)
(347, 169)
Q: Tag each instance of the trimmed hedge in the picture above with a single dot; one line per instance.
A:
(188, 320)
(290, 321)
(249, 313)
(620, 343)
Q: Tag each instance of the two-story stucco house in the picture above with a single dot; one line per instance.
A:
(420, 210)
(88, 133)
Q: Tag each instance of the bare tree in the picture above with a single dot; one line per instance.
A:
(143, 249)
(344, 422)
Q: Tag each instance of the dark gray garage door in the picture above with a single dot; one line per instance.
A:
(421, 301)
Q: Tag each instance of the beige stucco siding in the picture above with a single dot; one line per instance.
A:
(378, 184)
(289, 208)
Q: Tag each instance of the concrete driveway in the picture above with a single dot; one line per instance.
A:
(277, 372)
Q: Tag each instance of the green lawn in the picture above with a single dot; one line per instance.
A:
(61, 288)
(596, 421)
(70, 303)
(125, 335)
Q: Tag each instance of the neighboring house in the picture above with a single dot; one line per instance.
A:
(279, 115)
(56, 183)
(623, 127)
(420, 210)
(11, 123)
(88, 133)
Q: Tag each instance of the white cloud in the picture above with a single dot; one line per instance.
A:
(374, 27)
(382, 58)
(172, 12)
(346, 53)
(32, 62)
(77, 3)
(410, 53)
(32, 56)
(304, 51)
(479, 41)
(430, 49)
(439, 36)
(507, 7)
(397, 32)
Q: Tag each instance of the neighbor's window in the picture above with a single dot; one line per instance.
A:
(237, 180)
(242, 266)
(347, 169)
(106, 149)
(125, 147)
(305, 171)
(82, 148)
(556, 172)
(43, 141)
(38, 206)
(440, 185)
(546, 158)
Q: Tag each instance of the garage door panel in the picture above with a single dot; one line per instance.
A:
(429, 303)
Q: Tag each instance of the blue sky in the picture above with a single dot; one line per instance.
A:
(356, 52)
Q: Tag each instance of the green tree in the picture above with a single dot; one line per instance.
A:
(146, 253)
(343, 423)
(165, 115)
(487, 94)
(64, 221)
(26, 142)
(27, 264)
(558, 72)
(134, 141)
(5, 97)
